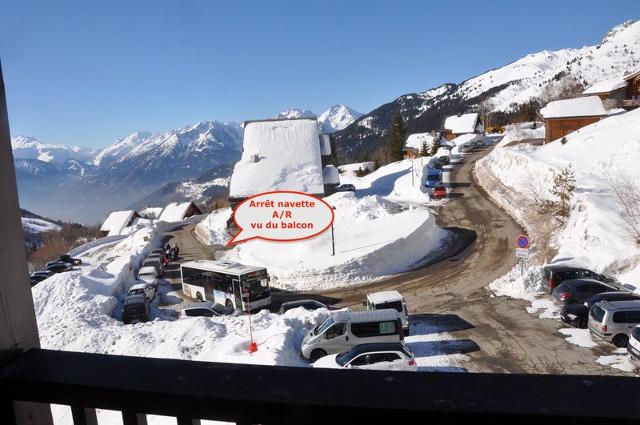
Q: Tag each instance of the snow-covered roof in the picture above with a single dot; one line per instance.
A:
(465, 123)
(278, 155)
(117, 221)
(590, 106)
(229, 267)
(385, 297)
(606, 86)
(175, 211)
(632, 75)
(466, 138)
(150, 212)
(415, 140)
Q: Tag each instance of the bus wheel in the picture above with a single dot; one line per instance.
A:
(229, 304)
(199, 297)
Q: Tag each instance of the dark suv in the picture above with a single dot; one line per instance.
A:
(554, 275)
(579, 290)
(578, 314)
(136, 309)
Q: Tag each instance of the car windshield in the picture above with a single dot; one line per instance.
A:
(221, 310)
(324, 326)
(395, 305)
(344, 358)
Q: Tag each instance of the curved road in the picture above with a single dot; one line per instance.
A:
(497, 332)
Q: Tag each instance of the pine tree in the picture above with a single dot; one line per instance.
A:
(435, 145)
(564, 184)
(424, 150)
(396, 138)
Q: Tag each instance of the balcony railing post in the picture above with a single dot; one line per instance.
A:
(18, 327)
(132, 418)
(84, 415)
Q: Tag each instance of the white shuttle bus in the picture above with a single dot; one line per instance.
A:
(231, 284)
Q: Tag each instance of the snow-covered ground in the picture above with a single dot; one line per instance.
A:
(596, 234)
(381, 229)
(36, 225)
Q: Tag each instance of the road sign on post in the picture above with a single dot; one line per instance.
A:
(522, 247)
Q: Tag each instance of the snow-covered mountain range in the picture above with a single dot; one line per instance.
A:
(333, 119)
(503, 88)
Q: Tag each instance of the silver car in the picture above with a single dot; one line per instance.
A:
(614, 321)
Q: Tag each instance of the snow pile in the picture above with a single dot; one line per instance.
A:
(212, 230)
(352, 168)
(370, 243)
(521, 131)
(279, 155)
(595, 234)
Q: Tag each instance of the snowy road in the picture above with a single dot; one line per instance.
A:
(495, 333)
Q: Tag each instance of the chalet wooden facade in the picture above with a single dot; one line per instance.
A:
(562, 117)
(632, 98)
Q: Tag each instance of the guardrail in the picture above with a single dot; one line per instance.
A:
(246, 394)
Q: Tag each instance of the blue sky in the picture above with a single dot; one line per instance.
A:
(89, 72)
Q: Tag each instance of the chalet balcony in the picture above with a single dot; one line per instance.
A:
(631, 103)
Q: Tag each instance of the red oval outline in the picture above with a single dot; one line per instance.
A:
(233, 239)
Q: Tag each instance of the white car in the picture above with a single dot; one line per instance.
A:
(375, 356)
(146, 289)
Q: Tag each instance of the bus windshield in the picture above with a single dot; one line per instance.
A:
(258, 286)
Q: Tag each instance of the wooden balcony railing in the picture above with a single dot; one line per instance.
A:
(250, 394)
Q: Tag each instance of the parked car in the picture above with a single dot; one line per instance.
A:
(58, 267)
(66, 258)
(554, 274)
(149, 275)
(466, 148)
(578, 314)
(439, 192)
(346, 329)
(136, 309)
(614, 321)
(39, 276)
(378, 356)
(443, 160)
(433, 177)
(308, 304)
(154, 262)
(146, 289)
(633, 347)
(207, 309)
(160, 253)
(389, 299)
(579, 290)
(345, 188)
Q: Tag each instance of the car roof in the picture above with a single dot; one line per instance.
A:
(583, 281)
(365, 316)
(564, 267)
(617, 293)
(385, 296)
(147, 269)
(138, 286)
(300, 302)
(620, 305)
(379, 346)
(229, 267)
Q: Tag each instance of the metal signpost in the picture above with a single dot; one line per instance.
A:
(522, 251)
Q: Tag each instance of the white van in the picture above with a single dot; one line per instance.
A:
(390, 299)
(614, 321)
(346, 329)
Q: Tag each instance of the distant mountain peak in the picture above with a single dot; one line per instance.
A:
(337, 117)
(296, 113)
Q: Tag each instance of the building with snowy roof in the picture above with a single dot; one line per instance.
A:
(178, 211)
(632, 97)
(456, 125)
(150, 213)
(283, 154)
(611, 92)
(562, 117)
(117, 221)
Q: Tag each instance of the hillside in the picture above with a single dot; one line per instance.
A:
(501, 89)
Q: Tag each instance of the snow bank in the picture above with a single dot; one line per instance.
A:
(370, 242)
(36, 225)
